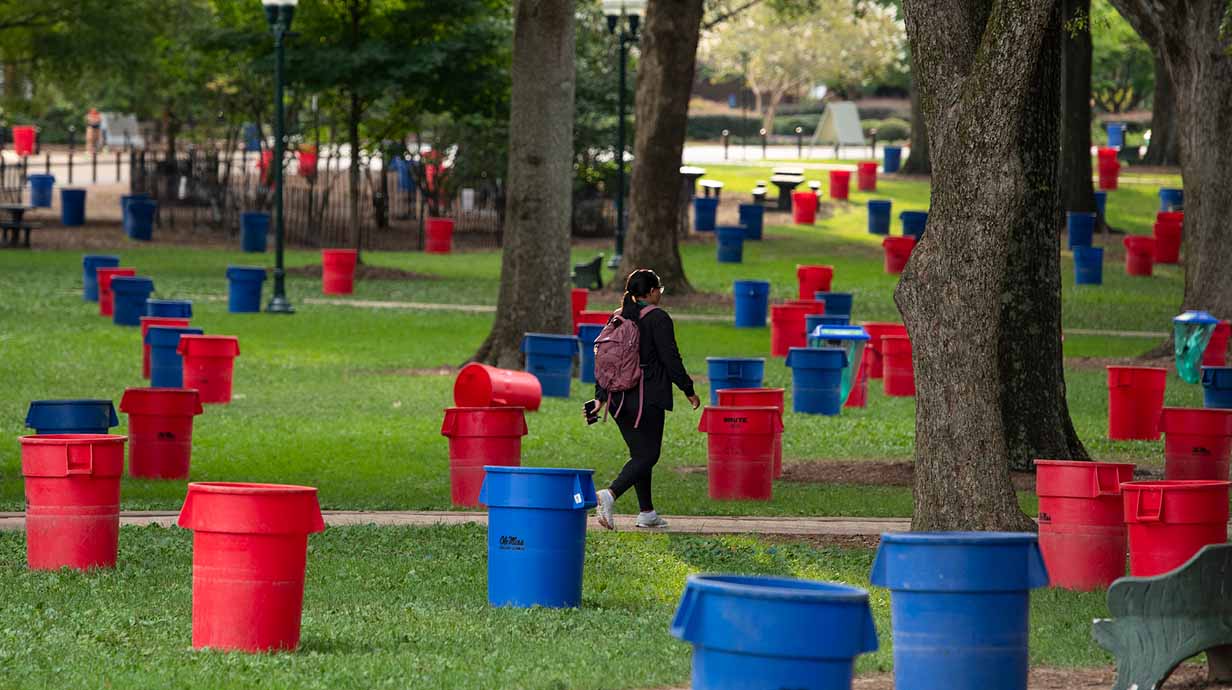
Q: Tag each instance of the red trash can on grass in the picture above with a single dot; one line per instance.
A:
(1216, 353)
(209, 361)
(160, 422)
(250, 544)
(1081, 526)
(106, 298)
(897, 252)
(803, 208)
(1167, 237)
(897, 366)
(338, 271)
(787, 324)
(1170, 521)
(599, 318)
(1135, 401)
(759, 397)
(866, 176)
(480, 436)
(1139, 255)
(811, 280)
(480, 385)
(438, 235)
(578, 299)
(840, 184)
(72, 484)
(1197, 443)
(740, 442)
(146, 323)
(872, 351)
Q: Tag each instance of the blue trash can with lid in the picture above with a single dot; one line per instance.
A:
(1116, 134)
(1217, 387)
(879, 216)
(817, 379)
(72, 207)
(90, 263)
(1171, 199)
(536, 534)
(244, 289)
(169, 308)
(837, 303)
(166, 365)
(730, 244)
(550, 358)
(1088, 265)
(752, 298)
(71, 416)
(40, 189)
(892, 159)
(587, 333)
(705, 210)
(734, 372)
(130, 294)
(752, 217)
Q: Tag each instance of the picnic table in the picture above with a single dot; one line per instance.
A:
(786, 184)
(12, 226)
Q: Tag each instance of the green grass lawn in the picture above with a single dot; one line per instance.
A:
(407, 608)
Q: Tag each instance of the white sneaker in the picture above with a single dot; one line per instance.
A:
(604, 508)
(651, 520)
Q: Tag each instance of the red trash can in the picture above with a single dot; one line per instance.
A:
(803, 208)
(759, 397)
(23, 140)
(146, 323)
(160, 422)
(578, 299)
(1135, 401)
(250, 545)
(897, 367)
(338, 271)
(813, 279)
(1139, 255)
(897, 252)
(480, 436)
(72, 484)
(480, 385)
(858, 396)
(1216, 353)
(209, 361)
(438, 235)
(787, 324)
(599, 318)
(1197, 442)
(840, 183)
(866, 176)
(1081, 528)
(872, 350)
(1108, 172)
(106, 298)
(1167, 242)
(1170, 521)
(741, 451)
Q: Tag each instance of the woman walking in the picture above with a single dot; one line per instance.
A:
(640, 410)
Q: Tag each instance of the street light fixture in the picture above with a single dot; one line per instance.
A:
(615, 10)
(279, 13)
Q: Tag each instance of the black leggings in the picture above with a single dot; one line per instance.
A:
(645, 443)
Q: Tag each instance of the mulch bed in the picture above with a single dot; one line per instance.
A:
(364, 272)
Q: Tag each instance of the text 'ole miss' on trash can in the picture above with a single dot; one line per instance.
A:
(250, 548)
(1169, 521)
(1197, 443)
(1135, 401)
(1082, 533)
(536, 534)
(752, 298)
(71, 416)
(734, 372)
(772, 632)
(550, 358)
(959, 607)
(759, 397)
(244, 289)
(90, 263)
(209, 362)
(160, 422)
(480, 385)
(740, 451)
(480, 436)
(129, 294)
(817, 379)
(166, 363)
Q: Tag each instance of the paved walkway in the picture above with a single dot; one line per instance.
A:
(690, 524)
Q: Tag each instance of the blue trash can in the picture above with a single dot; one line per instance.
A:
(130, 293)
(166, 365)
(1089, 265)
(1101, 203)
(140, 225)
(244, 289)
(72, 207)
(1116, 134)
(752, 302)
(879, 216)
(752, 217)
(169, 308)
(40, 189)
(254, 227)
(893, 159)
(705, 210)
(1171, 199)
(587, 333)
(967, 593)
(71, 416)
(734, 372)
(837, 303)
(252, 137)
(1079, 226)
(751, 631)
(730, 244)
(536, 534)
(550, 359)
(90, 263)
(914, 223)
(817, 379)
(812, 321)
(1217, 387)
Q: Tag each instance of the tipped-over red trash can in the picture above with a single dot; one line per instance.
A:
(148, 322)
(1169, 521)
(480, 385)
(1139, 255)
(72, 484)
(812, 280)
(250, 544)
(897, 366)
(209, 361)
(338, 271)
(1081, 528)
(897, 252)
(480, 436)
(759, 397)
(1197, 443)
(160, 422)
(740, 442)
(1135, 401)
(106, 298)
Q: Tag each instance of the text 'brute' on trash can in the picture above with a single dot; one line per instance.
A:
(536, 534)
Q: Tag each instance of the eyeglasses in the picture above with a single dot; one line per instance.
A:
(662, 290)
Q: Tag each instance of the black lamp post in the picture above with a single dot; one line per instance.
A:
(279, 13)
(615, 10)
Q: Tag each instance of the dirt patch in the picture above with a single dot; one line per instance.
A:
(1188, 677)
(364, 272)
(1100, 363)
(609, 299)
(822, 541)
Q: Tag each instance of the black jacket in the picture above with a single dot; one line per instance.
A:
(661, 363)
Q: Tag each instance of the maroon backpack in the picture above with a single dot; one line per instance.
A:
(618, 359)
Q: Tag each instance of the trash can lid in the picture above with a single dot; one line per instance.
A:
(71, 414)
(1195, 318)
(168, 336)
(544, 488)
(837, 332)
(132, 284)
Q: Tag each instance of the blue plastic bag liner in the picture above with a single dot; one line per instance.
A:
(1191, 333)
(71, 416)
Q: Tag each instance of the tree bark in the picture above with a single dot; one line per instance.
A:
(917, 162)
(1074, 176)
(1186, 35)
(664, 82)
(1165, 146)
(534, 291)
(353, 116)
(978, 65)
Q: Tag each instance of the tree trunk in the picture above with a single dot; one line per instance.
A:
(534, 291)
(1165, 146)
(772, 110)
(353, 115)
(664, 82)
(917, 162)
(1074, 177)
(978, 67)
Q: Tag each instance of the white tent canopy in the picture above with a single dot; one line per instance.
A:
(840, 126)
